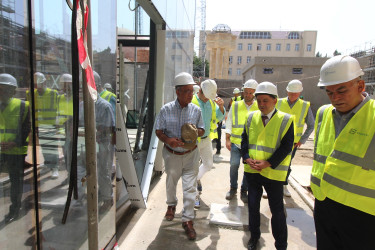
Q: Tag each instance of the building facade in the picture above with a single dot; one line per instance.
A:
(251, 44)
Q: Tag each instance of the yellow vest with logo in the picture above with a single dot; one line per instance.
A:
(299, 111)
(45, 106)
(265, 140)
(213, 124)
(106, 95)
(11, 119)
(344, 167)
(239, 116)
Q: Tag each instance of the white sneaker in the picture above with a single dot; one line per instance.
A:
(55, 173)
(286, 192)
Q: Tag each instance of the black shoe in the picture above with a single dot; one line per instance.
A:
(252, 244)
(230, 195)
(217, 152)
(11, 217)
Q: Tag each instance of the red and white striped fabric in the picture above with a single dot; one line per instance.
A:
(84, 59)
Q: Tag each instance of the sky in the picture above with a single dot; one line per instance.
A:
(347, 26)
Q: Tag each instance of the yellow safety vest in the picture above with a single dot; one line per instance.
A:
(106, 95)
(239, 116)
(265, 140)
(344, 167)
(45, 106)
(299, 111)
(236, 99)
(65, 109)
(213, 125)
(11, 119)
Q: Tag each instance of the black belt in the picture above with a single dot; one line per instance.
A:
(179, 153)
(204, 137)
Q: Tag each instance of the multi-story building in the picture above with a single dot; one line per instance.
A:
(250, 44)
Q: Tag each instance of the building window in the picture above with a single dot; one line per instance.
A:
(297, 71)
(238, 72)
(239, 46)
(288, 47)
(278, 47)
(176, 58)
(297, 47)
(248, 59)
(230, 59)
(259, 46)
(267, 70)
(230, 71)
(249, 46)
(176, 46)
(255, 35)
(239, 59)
(308, 47)
(293, 35)
(268, 46)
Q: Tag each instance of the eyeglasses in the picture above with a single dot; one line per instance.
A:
(186, 91)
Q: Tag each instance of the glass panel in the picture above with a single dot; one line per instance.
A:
(17, 230)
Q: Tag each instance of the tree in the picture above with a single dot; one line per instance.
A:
(199, 68)
(336, 53)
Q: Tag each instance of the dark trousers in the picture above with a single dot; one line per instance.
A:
(14, 164)
(341, 227)
(274, 191)
(289, 169)
(218, 141)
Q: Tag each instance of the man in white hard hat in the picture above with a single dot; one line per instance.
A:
(213, 111)
(45, 120)
(343, 173)
(65, 115)
(105, 94)
(14, 131)
(181, 159)
(236, 97)
(234, 127)
(292, 104)
(266, 146)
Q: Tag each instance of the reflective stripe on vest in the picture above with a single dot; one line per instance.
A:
(11, 119)
(264, 141)
(239, 116)
(299, 110)
(347, 169)
(213, 125)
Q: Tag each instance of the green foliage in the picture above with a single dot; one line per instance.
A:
(199, 68)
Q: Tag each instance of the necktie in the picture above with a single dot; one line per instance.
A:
(264, 118)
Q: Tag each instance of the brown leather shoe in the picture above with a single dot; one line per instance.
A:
(189, 230)
(169, 215)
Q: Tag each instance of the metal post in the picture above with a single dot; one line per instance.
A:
(90, 145)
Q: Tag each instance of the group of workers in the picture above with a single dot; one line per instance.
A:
(265, 132)
(53, 116)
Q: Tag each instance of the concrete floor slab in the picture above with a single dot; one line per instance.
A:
(223, 214)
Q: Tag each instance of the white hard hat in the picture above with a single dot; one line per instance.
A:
(236, 91)
(294, 86)
(196, 88)
(339, 69)
(266, 88)
(65, 78)
(39, 78)
(98, 80)
(209, 88)
(183, 78)
(107, 86)
(8, 80)
(250, 84)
